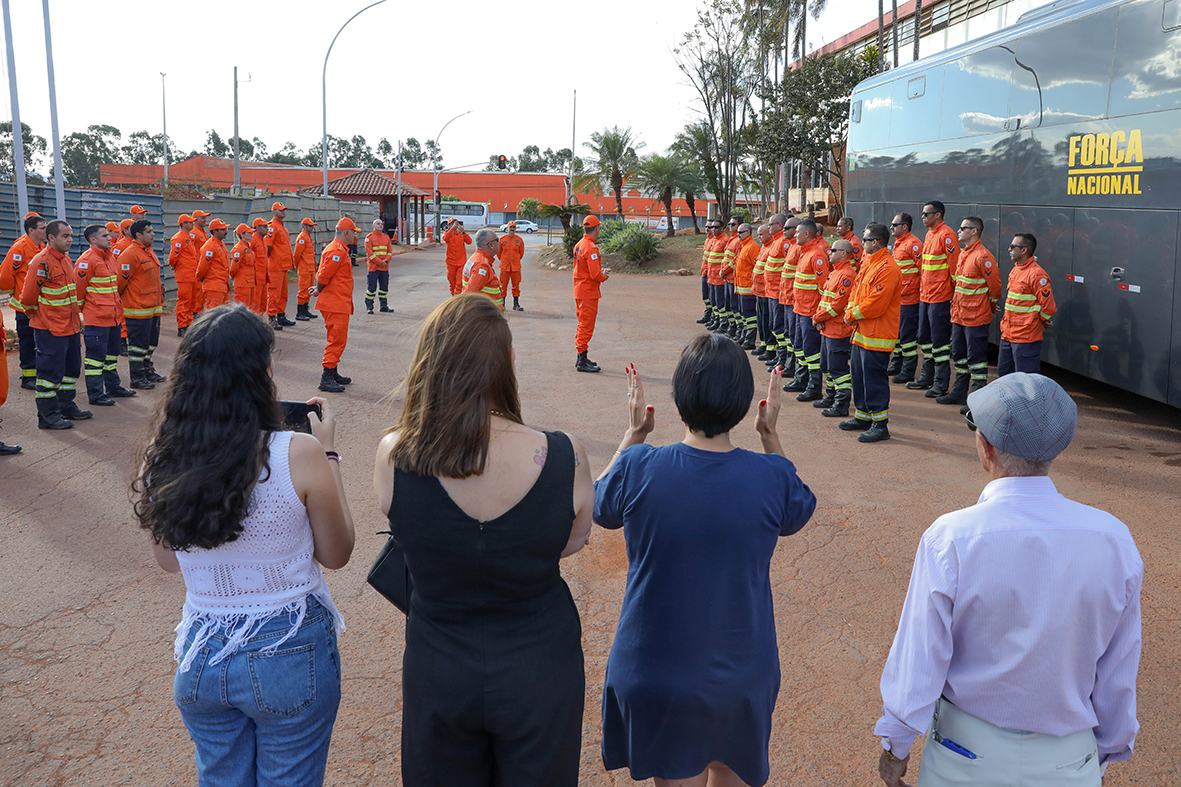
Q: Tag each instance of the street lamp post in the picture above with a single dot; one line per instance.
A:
(18, 138)
(435, 167)
(324, 87)
(164, 109)
(59, 177)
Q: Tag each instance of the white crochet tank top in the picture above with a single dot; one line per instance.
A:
(236, 588)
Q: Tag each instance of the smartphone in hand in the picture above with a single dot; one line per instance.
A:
(295, 415)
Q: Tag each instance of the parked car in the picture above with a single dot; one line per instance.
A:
(523, 225)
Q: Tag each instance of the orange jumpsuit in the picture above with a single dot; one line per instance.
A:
(1029, 304)
(304, 255)
(941, 254)
(977, 287)
(12, 281)
(851, 236)
(588, 275)
(279, 261)
(335, 301)
(908, 253)
(457, 241)
(199, 238)
(758, 275)
(810, 278)
(214, 273)
(876, 302)
(512, 249)
(791, 266)
(479, 275)
(744, 266)
(729, 252)
(242, 270)
(258, 245)
(182, 257)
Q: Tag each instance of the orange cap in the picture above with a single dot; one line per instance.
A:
(199, 213)
(218, 224)
(241, 228)
(136, 209)
(125, 224)
(32, 213)
(183, 218)
(309, 223)
(590, 221)
(112, 226)
(346, 224)
(512, 225)
(278, 206)
(259, 221)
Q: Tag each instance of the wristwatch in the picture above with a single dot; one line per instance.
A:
(889, 754)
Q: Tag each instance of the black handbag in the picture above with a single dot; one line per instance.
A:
(389, 576)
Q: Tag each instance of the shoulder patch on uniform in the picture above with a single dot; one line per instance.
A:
(988, 263)
(594, 256)
(847, 283)
(336, 258)
(126, 266)
(1042, 282)
(209, 253)
(16, 258)
(83, 265)
(301, 241)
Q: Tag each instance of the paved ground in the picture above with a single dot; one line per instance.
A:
(86, 617)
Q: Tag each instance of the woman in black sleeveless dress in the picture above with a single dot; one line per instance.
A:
(484, 508)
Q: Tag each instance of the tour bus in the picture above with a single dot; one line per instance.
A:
(1066, 125)
(474, 215)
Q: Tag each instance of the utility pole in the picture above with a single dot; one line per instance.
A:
(573, 137)
(164, 108)
(237, 189)
(18, 137)
(59, 177)
(401, 234)
(435, 167)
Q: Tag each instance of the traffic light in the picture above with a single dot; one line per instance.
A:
(438, 196)
(501, 162)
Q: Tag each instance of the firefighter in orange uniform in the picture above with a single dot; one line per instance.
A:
(1029, 305)
(873, 312)
(791, 357)
(759, 289)
(735, 327)
(715, 251)
(977, 297)
(908, 253)
(512, 249)
(5, 450)
(50, 298)
(279, 261)
(262, 277)
(941, 254)
(744, 265)
(589, 274)
(13, 272)
(834, 331)
(706, 292)
(810, 278)
(242, 267)
(182, 257)
(377, 258)
(776, 247)
(457, 242)
(213, 271)
(137, 213)
(200, 235)
(119, 245)
(333, 292)
(479, 273)
(847, 232)
(142, 293)
(304, 254)
(102, 312)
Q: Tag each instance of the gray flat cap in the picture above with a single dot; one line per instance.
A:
(1026, 415)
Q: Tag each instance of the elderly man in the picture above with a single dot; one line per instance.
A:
(479, 273)
(377, 257)
(1019, 640)
(847, 233)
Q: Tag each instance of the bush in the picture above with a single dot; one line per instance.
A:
(609, 229)
(570, 239)
(634, 241)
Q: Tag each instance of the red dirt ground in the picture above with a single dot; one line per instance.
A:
(86, 617)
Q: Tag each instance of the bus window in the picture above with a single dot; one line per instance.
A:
(1144, 78)
(871, 126)
(915, 108)
(976, 94)
(1062, 75)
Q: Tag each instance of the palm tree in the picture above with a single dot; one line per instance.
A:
(881, 36)
(614, 162)
(693, 145)
(918, 15)
(894, 32)
(801, 13)
(662, 177)
(563, 213)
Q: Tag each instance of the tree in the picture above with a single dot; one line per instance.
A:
(800, 14)
(532, 160)
(34, 149)
(918, 16)
(260, 149)
(288, 154)
(717, 61)
(386, 154)
(145, 148)
(663, 177)
(433, 154)
(563, 213)
(614, 162)
(881, 35)
(528, 208)
(809, 121)
(413, 156)
(693, 145)
(214, 146)
(83, 152)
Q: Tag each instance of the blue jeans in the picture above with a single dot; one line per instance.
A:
(260, 720)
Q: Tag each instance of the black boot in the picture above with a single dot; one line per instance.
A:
(384, 307)
(119, 392)
(840, 405)
(762, 348)
(748, 340)
(830, 398)
(123, 348)
(876, 433)
(906, 370)
(336, 375)
(768, 354)
(96, 391)
(959, 391)
(368, 306)
(72, 412)
(301, 312)
(328, 381)
(49, 415)
(9, 450)
(139, 376)
(182, 331)
(282, 318)
(942, 379)
(895, 364)
(812, 392)
(790, 364)
(274, 321)
(517, 307)
(150, 372)
(311, 313)
(976, 386)
(926, 379)
(855, 425)
(707, 317)
(29, 383)
(584, 365)
(800, 381)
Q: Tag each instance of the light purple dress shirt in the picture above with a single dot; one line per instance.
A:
(1023, 610)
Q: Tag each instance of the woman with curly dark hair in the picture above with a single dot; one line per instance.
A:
(245, 511)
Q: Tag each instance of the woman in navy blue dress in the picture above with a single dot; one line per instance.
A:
(694, 670)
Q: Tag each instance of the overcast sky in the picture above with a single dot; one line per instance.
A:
(401, 69)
